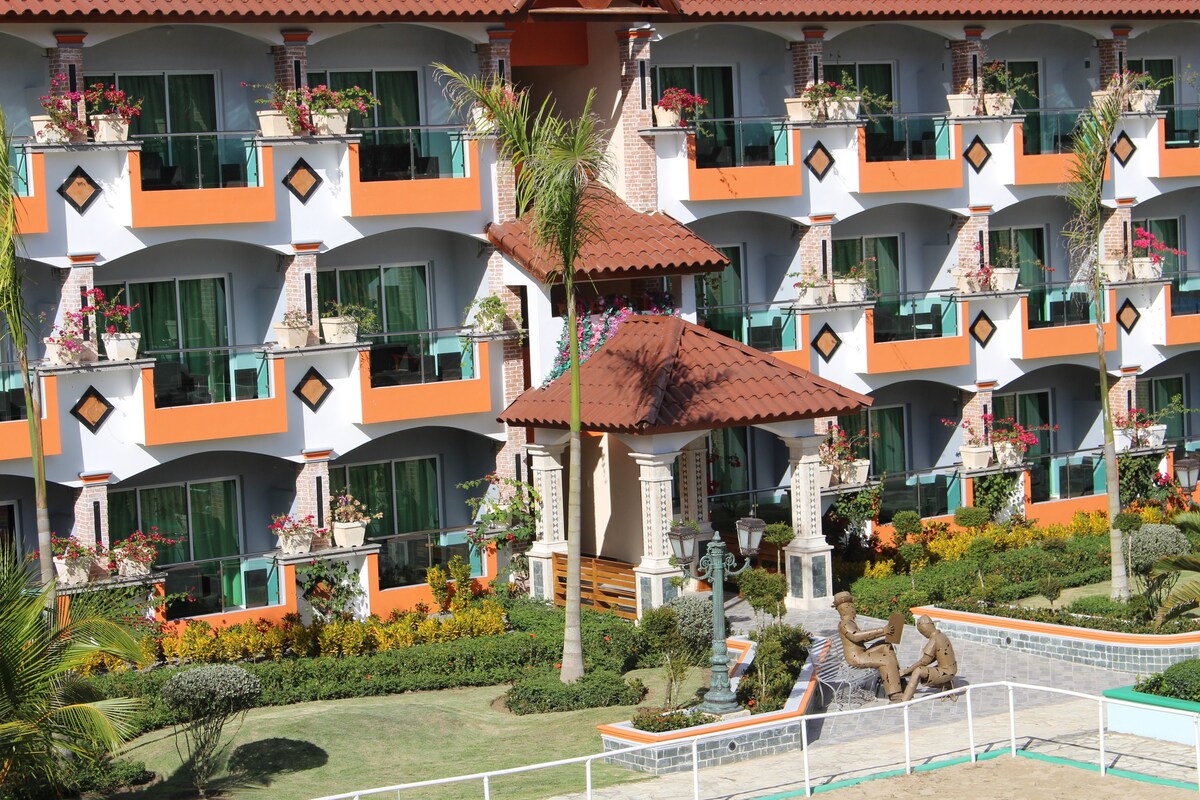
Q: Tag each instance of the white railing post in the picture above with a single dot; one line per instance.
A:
(1103, 770)
(696, 769)
(970, 725)
(1196, 740)
(1012, 724)
(804, 746)
(907, 744)
(487, 788)
(587, 770)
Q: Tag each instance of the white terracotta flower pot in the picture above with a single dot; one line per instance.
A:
(861, 470)
(110, 128)
(331, 122)
(961, 105)
(1145, 269)
(339, 330)
(120, 346)
(1143, 101)
(1114, 271)
(798, 110)
(1122, 439)
(274, 124)
(62, 356)
(844, 110)
(965, 281)
(1156, 435)
(998, 104)
(295, 545)
(289, 337)
(814, 295)
(850, 290)
(1004, 279)
(349, 534)
(1007, 454)
(824, 476)
(665, 118)
(44, 134)
(128, 568)
(72, 573)
(975, 456)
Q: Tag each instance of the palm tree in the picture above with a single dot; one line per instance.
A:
(1092, 137)
(12, 308)
(555, 160)
(47, 709)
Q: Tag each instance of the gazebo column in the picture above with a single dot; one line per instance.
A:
(654, 572)
(809, 571)
(546, 469)
(693, 484)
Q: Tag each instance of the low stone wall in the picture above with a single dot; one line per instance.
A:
(1137, 653)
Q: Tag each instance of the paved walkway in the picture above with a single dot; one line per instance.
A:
(866, 744)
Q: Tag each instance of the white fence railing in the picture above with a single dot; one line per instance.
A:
(486, 778)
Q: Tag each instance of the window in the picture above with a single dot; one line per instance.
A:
(719, 297)
(9, 536)
(1180, 125)
(398, 294)
(882, 257)
(719, 144)
(206, 514)
(1023, 248)
(887, 443)
(1030, 409)
(398, 92)
(12, 389)
(875, 77)
(1167, 232)
(1155, 394)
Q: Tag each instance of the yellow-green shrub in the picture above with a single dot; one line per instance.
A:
(880, 569)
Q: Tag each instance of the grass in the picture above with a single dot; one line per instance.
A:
(310, 750)
(1068, 595)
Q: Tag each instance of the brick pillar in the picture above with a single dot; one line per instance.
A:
(495, 57)
(816, 246)
(1116, 235)
(966, 59)
(291, 59)
(91, 510)
(300, 284)
(1113, 54)
(514, 356)
(73, 283)
(66, 59)
(312, 487)
(972, 238)
(639, 168)
(1122, 391)
(803, 55)
(974, 406)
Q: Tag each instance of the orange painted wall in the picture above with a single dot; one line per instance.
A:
(14, 436)
(287, 587)
(948, 351)
(178, 207)
(405, 598)
(1065, 340)
(1061, 511)
(1182, 329)
(32, 212)
(549, 44)
(1084, 634)
(802, 356)
(216, 420)
(430, 196)
(391, 403)
(1041, 169)
(1183, 162)
(734, 183)
(909, 176)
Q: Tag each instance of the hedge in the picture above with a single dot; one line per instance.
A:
(1060, 617)
(544, 691)
(1179, 681)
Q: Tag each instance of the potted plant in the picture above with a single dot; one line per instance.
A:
(295, 534)
(119, 340)
(133, 556)
(289, 113)
(1148, 250)
(109, 112)
(1138, 429)
(1000, 88)
(975, 451)
(1011, 439)
(489, 315)
(832, 101)
(73, 560)
(350, 519)
(839, 453)
(1115, 270)
(851, 287)
(331, 108)
(66, 344)
(813, 289)
(345, 321)
(65, 117)
(966, 102)
(292, 331)
(676, 106)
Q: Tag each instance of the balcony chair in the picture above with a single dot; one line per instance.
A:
(768, 338)
(232, 175)
(427, 167)
(449, 366)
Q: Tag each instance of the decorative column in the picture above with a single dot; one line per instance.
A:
(1123, 392)
(816, 246)
(693, 484)
(809, 563)
(91, 510)
(967, 56)
(66, 59)
(291, 59)
(312, 487)
(807, 59)
(73, 282)
(971, 237)
(637, 178)
(1116, 234)
(974, 406)
(495, 57)
(1113, 54)
(654, 572)
(300, 284)
(546, 469)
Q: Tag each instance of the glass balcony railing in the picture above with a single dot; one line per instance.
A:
(12, 392)
(906, 317)
(404, 558)
(1181, 126)
(768, 327)
(412, 153)
(1061, 476)
(1185, 295)
(908, 137)
(18, 159)
(199, 160)
(1050, 130)
(931, 493)
(770, 505)
(1052, 306)
(404, 358)
(744, 142)
(196, 376)
(217, 585)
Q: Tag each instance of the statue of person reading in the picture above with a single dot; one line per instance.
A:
(936, 666)
(880, 655)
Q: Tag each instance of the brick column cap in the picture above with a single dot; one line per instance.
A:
(973, 31)
(820, 219)
(500, 34)
(1131, 370)
(317, 454)
(306, 247)
(980, 211)
(814, 33)
(984, 386)
(82, 259)
(1121, 30)
(70, 37)
(1126, 201)
(91, 478)
(293, 36)
(635, 33)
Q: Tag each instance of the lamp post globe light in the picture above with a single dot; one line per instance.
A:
(1187, 472)
(714, 567)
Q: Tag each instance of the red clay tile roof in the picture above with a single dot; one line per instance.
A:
(628, 244)
(258, 9)
(976, 9)
(661, 374)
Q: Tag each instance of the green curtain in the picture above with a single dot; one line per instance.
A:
(886, 269)
(203, 324)
(1167, 232)
(192, 108)
(122, 514)
(1004, 406)
(1030, 245)
(715, 84)
(723, 289)
(406, 306)
(1161, 69)
(165, 508)
(157, 318)
(361, 287)
(398, 106)
(372, 484)
(346, 80)
(417, 495)
(214, 519)
(327, 287)
(875, 77)
(1033, 410)
(846, 253)
(888, 451)
(852, 424)
(1162, 390)
(1028, 99)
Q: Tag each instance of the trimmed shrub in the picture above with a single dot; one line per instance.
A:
(779, 658)
(971, 517)
(695, 615)
(1179, 681)
(1126, 522)
(1099, 606)
(658, 720)
(204, 700)
(1153, 541)
(906, 523)
(609, 642)
(545, 692)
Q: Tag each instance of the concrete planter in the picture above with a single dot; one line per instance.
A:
(798, 110)
(128, 568)
(961, 105)
(62, 356)
(1114, 271)
(110, 128)
(850, 290)
(1143, 101)
(274, 124)
(965, 281)
(1151, 718)
(295, 545)
(72, 573)
(975, 456)
(1156, 435)
(1004, 279)
(814, 295)
(120, 346)
(349, 534)
(339, 330)
(824, 476)
(844, 110)
(290, 337)
(998, 104)
(1007, 454)
(331, 122)
(665, 118)
(1145, 269)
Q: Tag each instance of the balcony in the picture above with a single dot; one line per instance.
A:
(410, 358)
(746, 158)
(1066, 476)
(931, 493)
(909, 152)
(1179, 142)
(1060, 320)
(223, 585)
(201, 179)
(774, 328)
(414, 170)
(1183, 310)
(916, 331)
(14, 430)
(1042, 145)
(29, 173)
(423, 374)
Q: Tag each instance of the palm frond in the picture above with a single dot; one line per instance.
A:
(12, 306)
(1187, 521)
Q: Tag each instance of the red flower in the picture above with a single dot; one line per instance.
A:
(558, 665)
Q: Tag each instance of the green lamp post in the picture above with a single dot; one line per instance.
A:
(714, 566)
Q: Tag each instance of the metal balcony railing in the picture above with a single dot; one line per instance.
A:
(412, 152)
(1050, 130)
(404, 558)
(200, 375)
(906, 317)
(1058, 305)
(908, 137)
(769, 327)
(742, 142)
(402, 358)
(201, 160)
(217, 585)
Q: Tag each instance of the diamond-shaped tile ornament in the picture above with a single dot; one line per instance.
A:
(819, 161)
(977, 154)
(826, 342)
(1128, 316)
(302, 180)
(79, 190)
(92, 409)
(1123, 148)
(983, 329)
(313, 389)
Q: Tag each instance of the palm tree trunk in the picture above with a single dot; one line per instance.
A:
(33, 403)
(1112, 482)
(572, 659)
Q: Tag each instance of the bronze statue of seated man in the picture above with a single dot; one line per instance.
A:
(880, 655)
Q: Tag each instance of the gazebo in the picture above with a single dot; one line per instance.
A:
(650, 396)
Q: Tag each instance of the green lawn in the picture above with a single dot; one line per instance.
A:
(309, 750)
(1068, 595)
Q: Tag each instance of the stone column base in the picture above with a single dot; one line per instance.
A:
(541, 570)
(654, 587)
(809, 574)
